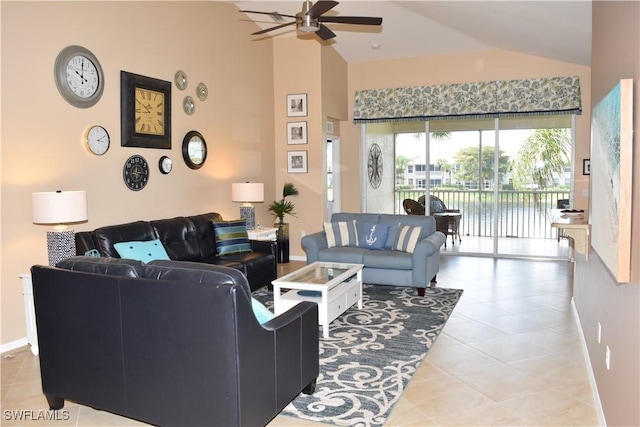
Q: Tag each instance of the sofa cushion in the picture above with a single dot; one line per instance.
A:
(231, 237)
(109, 266)
(106, 237)
(341, 233)
(392, 260)
(375, 236)
(194, 272)
(141, 251)
(407, 238)
(347, 254)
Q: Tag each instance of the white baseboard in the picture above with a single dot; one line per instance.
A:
(592, 377)
(13, 345)
(298, 258)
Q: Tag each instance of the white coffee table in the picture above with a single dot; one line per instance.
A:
(338, 287)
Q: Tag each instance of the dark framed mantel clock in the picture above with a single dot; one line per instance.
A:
(145, 111)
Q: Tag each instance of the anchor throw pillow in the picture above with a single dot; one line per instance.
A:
(375, 236)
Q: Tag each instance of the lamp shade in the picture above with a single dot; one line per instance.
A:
(247, 192)
(59, 207)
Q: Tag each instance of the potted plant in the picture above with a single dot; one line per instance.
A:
(280, 208)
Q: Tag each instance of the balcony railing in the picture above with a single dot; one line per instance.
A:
(520, 213)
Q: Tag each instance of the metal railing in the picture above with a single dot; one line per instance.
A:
(520, 213)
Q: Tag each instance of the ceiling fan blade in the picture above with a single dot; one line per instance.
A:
(325, 33)
(273, 28)
(359, 20)
(273, 14)
(321, 7)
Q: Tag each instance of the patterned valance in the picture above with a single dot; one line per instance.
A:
(505, 98)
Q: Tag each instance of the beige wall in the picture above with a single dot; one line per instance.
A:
(306, 66)
(42, 148)
(472, 67)
(598, 298)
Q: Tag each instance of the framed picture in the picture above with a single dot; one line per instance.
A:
(145, 111)
(612, 169)
(297, 161)
(586, 167)
(296, 133)
(297, 105)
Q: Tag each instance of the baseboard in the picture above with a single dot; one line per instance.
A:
(13, 345)
(592, 377)
(298, 258)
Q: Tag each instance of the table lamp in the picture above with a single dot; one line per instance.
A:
(247, 192)
(60, 208)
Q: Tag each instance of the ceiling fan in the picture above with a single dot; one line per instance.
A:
(311, 19)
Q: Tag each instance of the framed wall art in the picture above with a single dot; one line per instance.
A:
(145, 111)
(297, 105)
(611, 167)
(296, 133)
(297, 161)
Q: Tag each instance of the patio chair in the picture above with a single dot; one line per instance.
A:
(447, 220)
(411, 207)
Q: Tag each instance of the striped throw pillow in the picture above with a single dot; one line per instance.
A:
(407, 238)
(342, 233)
(231, 237)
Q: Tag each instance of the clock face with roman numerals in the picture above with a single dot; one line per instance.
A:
(374, 165)
(149, 116)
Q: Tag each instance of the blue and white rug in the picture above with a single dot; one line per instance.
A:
(371, 354)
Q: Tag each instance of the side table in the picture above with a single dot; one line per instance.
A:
(30, 313)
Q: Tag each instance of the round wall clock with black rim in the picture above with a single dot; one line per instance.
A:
(374, 165)
(78, 76)
(136, 172)
(97, 140)
(165, 164)
(194, 149)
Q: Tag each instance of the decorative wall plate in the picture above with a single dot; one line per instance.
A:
(180, 79)
(202, 92)
(189, 105)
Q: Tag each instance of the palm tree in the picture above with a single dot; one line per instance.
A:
(544, 155)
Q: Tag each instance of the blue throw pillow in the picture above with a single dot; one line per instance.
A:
(142, 251)
(341, 233)
(231, 237)
(261, 312)
(375, 236)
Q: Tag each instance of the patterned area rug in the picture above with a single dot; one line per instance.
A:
(372, 353)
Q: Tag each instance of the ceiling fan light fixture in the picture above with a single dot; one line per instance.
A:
(307, 24)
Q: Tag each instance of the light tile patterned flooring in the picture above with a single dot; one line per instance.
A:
(509, 355)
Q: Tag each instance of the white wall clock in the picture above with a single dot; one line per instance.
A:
(97, 140)
(78, 76)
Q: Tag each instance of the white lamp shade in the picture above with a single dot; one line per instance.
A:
(247, 192)
(59, 207)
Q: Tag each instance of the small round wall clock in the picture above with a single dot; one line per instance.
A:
(374, 165)
(79, 76)
(194, 149)
(97, 140)
(165, 164)
(136, 172)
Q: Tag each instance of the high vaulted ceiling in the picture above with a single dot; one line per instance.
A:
(559, 30)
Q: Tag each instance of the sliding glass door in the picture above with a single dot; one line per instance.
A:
(503, 176)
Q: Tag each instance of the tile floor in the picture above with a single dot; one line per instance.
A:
(509, 355)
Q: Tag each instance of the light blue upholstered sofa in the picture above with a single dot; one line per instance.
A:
(385, 266)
